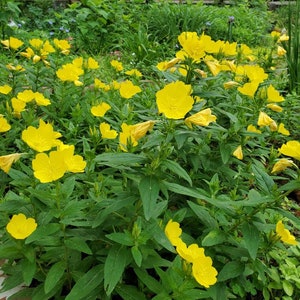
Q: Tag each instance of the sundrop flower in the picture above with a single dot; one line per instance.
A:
(20, 227)
(284, 234)
(36, 43)
(117, 65)
(283, 130)
(92, 64)
(100, 109)
(173, 232)
(291, 148)
(273, 94)
(249, 88)
(12, 43)
(26, 96)
(101, 85)
(128, 89)
(280, 51)
(6, 161)
(4, 125)
(201, 118)
(282, 164)
(70, 72)
(265, 120)
(18, 106)
(42, 138)
(230, 84)
(238, 153)
(62, 45)
(107, 132)
(5, 89)
(134, 72)
(41, 100)
(175, 100)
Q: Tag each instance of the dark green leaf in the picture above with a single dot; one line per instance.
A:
(54, 275)
(214, 237)
(43, 231)
(77, 243)
(151, 283)
(137, 255)
(117, 159)
(129, 292)
(251, 239)
(28, 270)
(125, 239)
(231, 270)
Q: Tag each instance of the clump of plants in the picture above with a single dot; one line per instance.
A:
(174, 187)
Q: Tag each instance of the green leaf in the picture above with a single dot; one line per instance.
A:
(288, 287)
(118, 159)
(203, 214)
(226, 152)
(231, 270)
(129, 292)
(264, 181)
(137, 255)
(86, 284)
(149, 191)
(77, 243)
(28, 271)
(214, 237)
(125, 239)
(152, 284)
(177, 169)
(251, 239)
(114, 267)
(43, 231)
(54, 275)
(68, 187)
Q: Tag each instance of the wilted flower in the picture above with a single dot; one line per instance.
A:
(238, 152)
(291, 148)
(201, 118)
(265, 120)
(283, 130)
(7, 160)
(139, 130)
(21, 227)
(175, 100)
(275, 107)
(282, 164)
(273, 94)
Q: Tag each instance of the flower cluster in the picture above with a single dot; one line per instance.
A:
(202, 269)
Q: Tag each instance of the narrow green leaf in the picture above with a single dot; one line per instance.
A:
(54, 275)
(114, 267)
(28, 270)
(43, 231)
(203, 214)
(129, 292)
(137, 255)
(152, 284)
(78, 244)
(117, 159)
(177, 169)
(264, 181)
(251, 239)
(231, 270)
(149, 191)
(125, 239)
(214, 237)
(86, 284)
(68, 187)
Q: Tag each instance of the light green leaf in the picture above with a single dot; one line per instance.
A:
(54, 275)
(117, 159)
(137, 255)
(214, 237)
(288, 287)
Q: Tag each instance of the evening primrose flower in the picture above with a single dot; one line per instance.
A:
(36, 43)
(291, 148)
(70, 72)
(107, 132)
(5, 89)
(175, 100)
(238, 153)
(100, 109)
(12, 43)
(128, 89)
(252, 128)
(273, 94)
(201, 118)
(26, 96)
(282, 164)
(173, 232)
(101, 85)
(20, 227)
(117, 65)
(134, 72)
(6, 161)
(249, 88)
(284, 234)
(265, 120)
(281, 51)
(92, 64)
(4, 125)
(42, 138)
(283, 130)
(41, 100)
(18, 105)
(62, 45)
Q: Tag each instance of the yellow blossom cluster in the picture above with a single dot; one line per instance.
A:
(202, 269)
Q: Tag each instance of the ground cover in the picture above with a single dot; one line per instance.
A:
(122, 179)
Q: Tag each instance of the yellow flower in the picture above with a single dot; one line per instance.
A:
(63, 45)
(139, 130)
(41, 100)
(36, 43)
(249, 88)
(281, 165)
(92, 64)
(126, 138)
(5, 89)
(265, 120)
(100, 109)
(101, 85)
(12, 43)
(47, 48)
(134, 72)
(238, 153)
(49, 168)
(117, 65)
(128, 89)
(106, 132)
(20, 227)
(42, 138)
(213, 65)
(191, 253)
(175, 100)
(69, 72)
(252, 128)
(165, 65)
(284, 234)
(291, 148)
(4, 125)
(283, 130)
(230, 84)
(17, 68)
(203, 271)
(280, 51)
(26, 96)
(273, 94)
(173, 232)
(201, 118)
(7, 160)
(28, 53)
(275, 107)
(18, 105)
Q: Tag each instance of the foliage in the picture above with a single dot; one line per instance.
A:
(97, 159)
